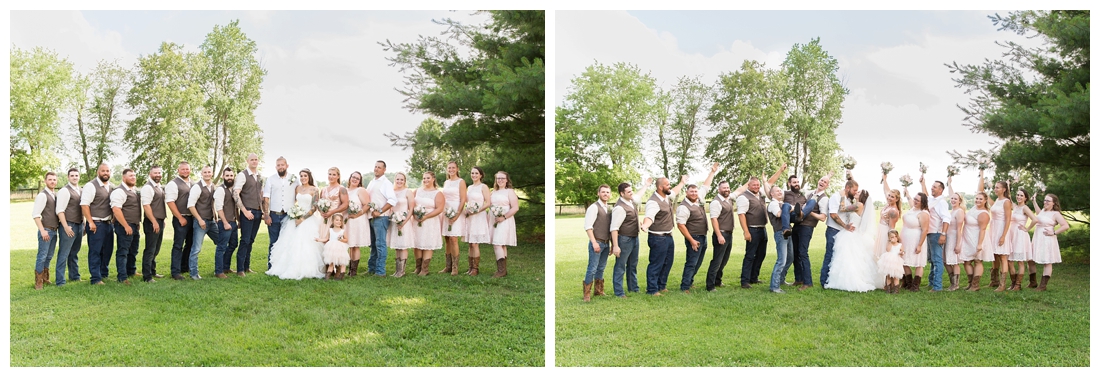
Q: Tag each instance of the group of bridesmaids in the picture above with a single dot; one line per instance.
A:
(426, 219)
(995, 232)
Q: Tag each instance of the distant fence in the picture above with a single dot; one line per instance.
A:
(23, 194)
(570, 209)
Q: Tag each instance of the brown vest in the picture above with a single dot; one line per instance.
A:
(757, 213)
(131, 208)
(100, 207)
(697, 219)
(725, 218)
(601, 228)
(629, 227)
(72, 208)
(229, 205)
(792, 198)
(251, 192)
(158, 201)
(776, 221)
(663, 222)
(205, 205)
(49, 213)
(184, 189)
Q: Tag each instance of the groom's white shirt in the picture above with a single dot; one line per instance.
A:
(280, 192)
(834, 207)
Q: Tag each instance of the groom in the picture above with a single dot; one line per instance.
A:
(278, 198)
(838, 220)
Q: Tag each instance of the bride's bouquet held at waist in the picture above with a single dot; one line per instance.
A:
(296, 212)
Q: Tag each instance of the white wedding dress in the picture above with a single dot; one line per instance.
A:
(297, 255)
(853, 267)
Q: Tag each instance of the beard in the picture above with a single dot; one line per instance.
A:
(104, 179)
(725, 194)
(796, 188)
(228, 183)
(156, 179)
(282, 173)
(667, 191)
(851, 196)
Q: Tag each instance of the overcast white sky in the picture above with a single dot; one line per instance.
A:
(902, 103)
(328, 96)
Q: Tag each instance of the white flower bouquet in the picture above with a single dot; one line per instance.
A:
(354, 208)
(472, 208)
(399, 219)
(498, 211)
(323, 205)
(906, 180)
(952, 171)
(923, 168)
(296, 212)
(886, 168)
(848, 162)
(450, 213)
(419, 212)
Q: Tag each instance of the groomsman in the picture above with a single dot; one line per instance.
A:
(95, 204)
(722, 220)
(624, 239)
(939, 218)
(381, 194)
(597, 223)
(659, 221)
(752, 213)
(72, 228)
(226, 207)
(126, 207)
(248, 194)
(44, 214)
(279, 193)
(691, 220)
(200, 202)
(803, 230)
(836, 223)
(152, 203)
(176, 193)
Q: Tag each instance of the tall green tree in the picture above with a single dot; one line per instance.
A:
(431, 152)
(690, 101)
(812, 97)
(1036, 101)
(231, 81)
(747, 117)
(167, 102)
(98, 116)
(42, 89)
(599, 130)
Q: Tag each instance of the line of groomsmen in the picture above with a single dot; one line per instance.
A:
(199, 208)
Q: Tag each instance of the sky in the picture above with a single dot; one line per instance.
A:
(901, 105)
(329, 94)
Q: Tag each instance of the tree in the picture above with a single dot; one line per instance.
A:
(690, 99)
(599, 130)
(1036, 101)
(41, 90)
(746, 118)
(812, 97)
(167, 103)
(431, 152)
(231, 80)
(98, 124)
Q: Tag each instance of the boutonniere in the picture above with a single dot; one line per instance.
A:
(292, 179)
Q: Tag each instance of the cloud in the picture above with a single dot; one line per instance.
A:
(70, 35)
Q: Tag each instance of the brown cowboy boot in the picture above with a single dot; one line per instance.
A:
(353, 268)
(993, 283)
(1017, 280)
(448, 265)
(977, 284)
(905, 281)
(339, 275)
(1043, 284)
(1004, 279)
(502, 268)
(1033, 284)
(969, 281)
(599, 287)
(424, 267)
(587, 292)
(475, 264)
(37, 280)
(46, 275)
(398, 267)
(454, 265)
(419, 264)
(915, 285)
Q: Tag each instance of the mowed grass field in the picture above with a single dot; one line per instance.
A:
(815, 327)
(259, 320)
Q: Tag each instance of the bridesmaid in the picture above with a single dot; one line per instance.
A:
(1001, 211)
(338, 194)
(428, 227)
(1045, 245)
(477, 221)
(454, 192)
(358, 227)
(952, 249)
(506, 204)
(975, 242)
(1021, 240)
(914, 230)
(400, 236)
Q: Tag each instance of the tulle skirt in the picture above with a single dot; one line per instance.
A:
(297, 255)
(336, 252)
(853, 267)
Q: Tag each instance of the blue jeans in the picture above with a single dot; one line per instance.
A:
(45, 250)
(68, 253)
(693, 258)
(272, 235)
(935, 252)
(182, 242)
(596, 261)
(661, 254)
(212, 231)
(719, 258)
(227, 244)
(126, 256)
(755, 250)
(626, 264)
(784, 257)
(248, 228)
(830, 239)
(800, 239)
(378, 248)
(100, 247)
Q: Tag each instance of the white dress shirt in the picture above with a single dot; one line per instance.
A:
(147, 192)
(40, 204)
(384, 190)
(219, 199)
(743, 203)
(833, 207)
(280, 192)
(63, 198)
(683, 212)
(171, 192)
(939, 213)
(87, 194)
(618, 215)
(591, 212)
(716, 205)
(651, 209)
(775, 207)
(118, 198)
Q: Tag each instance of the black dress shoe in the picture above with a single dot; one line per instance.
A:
(746, 286)
(177, 277)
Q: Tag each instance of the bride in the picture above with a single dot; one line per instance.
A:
(296, 254)
(853, 267)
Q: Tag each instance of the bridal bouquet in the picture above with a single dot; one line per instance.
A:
(419, 212)
(472, 208)
(450, 213)
(983, 163)
(323, 205)
(848, 162)
(296, 212)
(497, 212)
(886, 168)
(923, 168)
(952, 171)
(354, 208)
(400, 219)
(906, 180)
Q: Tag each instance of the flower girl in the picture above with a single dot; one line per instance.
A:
(890, 263)
(336, 248)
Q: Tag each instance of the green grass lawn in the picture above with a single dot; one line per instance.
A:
(259, 320)
(815, 327)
